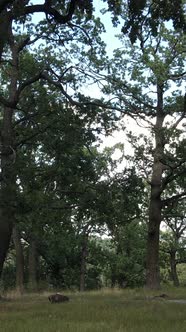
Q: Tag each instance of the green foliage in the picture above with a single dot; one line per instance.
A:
(128, 260)
(65, 187)
(152, 13)
(8, 277)
(181, 269)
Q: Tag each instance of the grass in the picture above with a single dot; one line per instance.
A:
(103, 311)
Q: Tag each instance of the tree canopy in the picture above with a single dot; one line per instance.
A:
(60, 95)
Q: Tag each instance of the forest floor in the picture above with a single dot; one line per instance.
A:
(135, 310)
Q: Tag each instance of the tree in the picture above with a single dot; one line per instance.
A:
(19, 260)
(63, 23)
(173, 238)
(152, 13)
(127, 262)
(19, 11)
(62, 13)
(16, 79)
(57, 170)
(151, 65)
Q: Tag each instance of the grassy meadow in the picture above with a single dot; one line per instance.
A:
(101, 311)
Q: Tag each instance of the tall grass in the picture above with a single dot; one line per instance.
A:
(111, 311)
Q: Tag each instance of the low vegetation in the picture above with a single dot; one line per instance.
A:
(117, 310)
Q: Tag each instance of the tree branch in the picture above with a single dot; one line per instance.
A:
(12, 104)
(28, 82)
(175, 198)
(27, 139)
(174, 126)
(172, 176)
(48, 10)
(74, 102)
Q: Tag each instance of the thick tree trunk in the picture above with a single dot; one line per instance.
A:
(174, 274)
(5, 235)
(4, 27)
(153, 280)
(19, 261)
(32, 266)
(7, 159)
(7, 185)
(84, 253)
(155, 206)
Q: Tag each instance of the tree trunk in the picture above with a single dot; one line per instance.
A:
(153, 280)
(19, 261)
(174, 274)
(7, 186)
(32, 264)
(155, 206)
(7, 159)
(84, 253)
(5, 21)
(5, 234)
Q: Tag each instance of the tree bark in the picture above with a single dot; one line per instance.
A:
(7, 186)
(153, 280)
(5, 234)
(7, 160)
(155, 205)
(32, 266)
(174, 274)
(19, 260)
(5, 22)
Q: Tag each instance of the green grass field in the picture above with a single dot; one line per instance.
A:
(113, 311)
